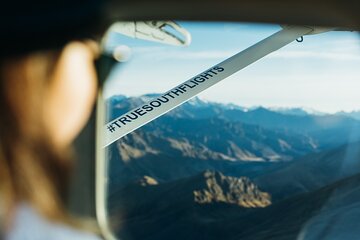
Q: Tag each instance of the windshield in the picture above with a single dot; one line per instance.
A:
(271, 152)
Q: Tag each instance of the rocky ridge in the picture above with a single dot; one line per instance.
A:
(232, 190)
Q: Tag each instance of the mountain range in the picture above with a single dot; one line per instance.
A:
(318, 126)
(244, 208)
(215, 171)
(203, 135)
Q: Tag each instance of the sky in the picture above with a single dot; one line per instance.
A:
(320, 73)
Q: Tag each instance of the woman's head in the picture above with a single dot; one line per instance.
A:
(45, 99)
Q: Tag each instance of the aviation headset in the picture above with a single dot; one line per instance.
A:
(27, 26)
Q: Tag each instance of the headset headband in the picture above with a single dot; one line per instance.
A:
(28, 27)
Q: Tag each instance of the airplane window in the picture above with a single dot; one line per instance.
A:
(270, 152)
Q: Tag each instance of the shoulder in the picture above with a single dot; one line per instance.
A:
(28, 224)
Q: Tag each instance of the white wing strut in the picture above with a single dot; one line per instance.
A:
(190, 88)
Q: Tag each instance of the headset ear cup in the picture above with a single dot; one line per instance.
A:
(104, 64)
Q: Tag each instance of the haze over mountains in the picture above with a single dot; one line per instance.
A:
(343, 125)
(184, 175)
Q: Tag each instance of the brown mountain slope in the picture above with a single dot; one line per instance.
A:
(332, 212)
